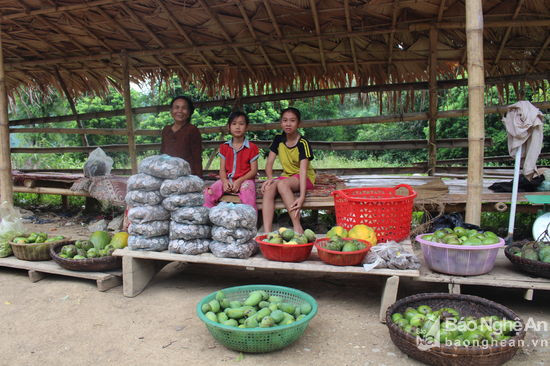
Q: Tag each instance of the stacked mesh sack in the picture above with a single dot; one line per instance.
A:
(149, 219)
(189, 225)
(233, 230)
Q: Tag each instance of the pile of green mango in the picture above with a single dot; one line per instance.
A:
(462, 236)
(449, 328)
(100, 244)
(259, 309)
(344, 245)
(34, 238)
(289, 236)
(535, 251)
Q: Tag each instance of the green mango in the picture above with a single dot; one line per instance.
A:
(544, 252)
(310, 235)
(305, 308)
(222, 317)
(529, 253)
(211, 316)
(349, 247)
(79, 257)
(86, 245)
(92, 253)
(288, 234)
(69, 250)
(253, 298)
(19, 240)
(231, 323)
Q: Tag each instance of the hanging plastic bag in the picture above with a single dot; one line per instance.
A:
(11, 225)
(98, 163)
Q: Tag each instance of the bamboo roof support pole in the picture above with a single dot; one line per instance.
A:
(128, 111)
(476, 127)
(6, 188)
(432, 124)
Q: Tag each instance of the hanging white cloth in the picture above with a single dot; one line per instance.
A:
(524, 124)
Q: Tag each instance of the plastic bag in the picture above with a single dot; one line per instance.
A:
(141, 214)
(176, 201)
(451, 221)
(98, 163)
(242, 251)
(390, 255)
(141, 198)
(150, 229)
(188, 232)
(164, 166)
(239, 235)
(157, 243)
(191, 215)
(11, 225)
(189, 247)
(231, 215)
(143, 182)
(182, 185)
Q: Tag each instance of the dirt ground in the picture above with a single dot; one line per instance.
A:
(67, 321)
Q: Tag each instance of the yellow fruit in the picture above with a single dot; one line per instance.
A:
(119, 240)
(291, 242)
(281, 229)
(363, 232)
(337, 231)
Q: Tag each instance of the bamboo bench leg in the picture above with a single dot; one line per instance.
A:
(454, 288)
(108, 283)
(36, 276)
(389, 295)
(137, 273)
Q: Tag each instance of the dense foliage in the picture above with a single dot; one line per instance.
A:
(349, 106)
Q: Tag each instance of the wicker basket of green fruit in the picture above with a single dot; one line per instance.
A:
(452, 329)
(35, 246)
(257, 318)
(532, 257)
(94, 254)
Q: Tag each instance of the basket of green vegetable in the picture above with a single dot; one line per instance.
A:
(257, 318)
(94, 254)
(455, 329)
(532, 257)
(35, 246)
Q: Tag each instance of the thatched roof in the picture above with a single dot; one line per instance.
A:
(223, 45)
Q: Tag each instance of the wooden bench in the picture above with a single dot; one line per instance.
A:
(311, 203)
(504, 274)
(139, 268)
(37, 270)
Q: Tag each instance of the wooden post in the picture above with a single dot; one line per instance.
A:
(476, 127)
(128, 112)
(432, 148)
(6, 187)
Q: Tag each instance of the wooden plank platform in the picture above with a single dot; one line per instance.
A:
(40, 269)
(139, 268)
(503, 274)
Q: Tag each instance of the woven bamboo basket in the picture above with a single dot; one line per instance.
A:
(536, 268)
(35, 251)
(445, 355)
(86, 265)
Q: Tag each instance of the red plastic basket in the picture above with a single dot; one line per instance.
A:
(284, 252)
(381, 208)
(337, 258)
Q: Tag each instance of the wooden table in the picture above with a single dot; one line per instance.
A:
(139, 268)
